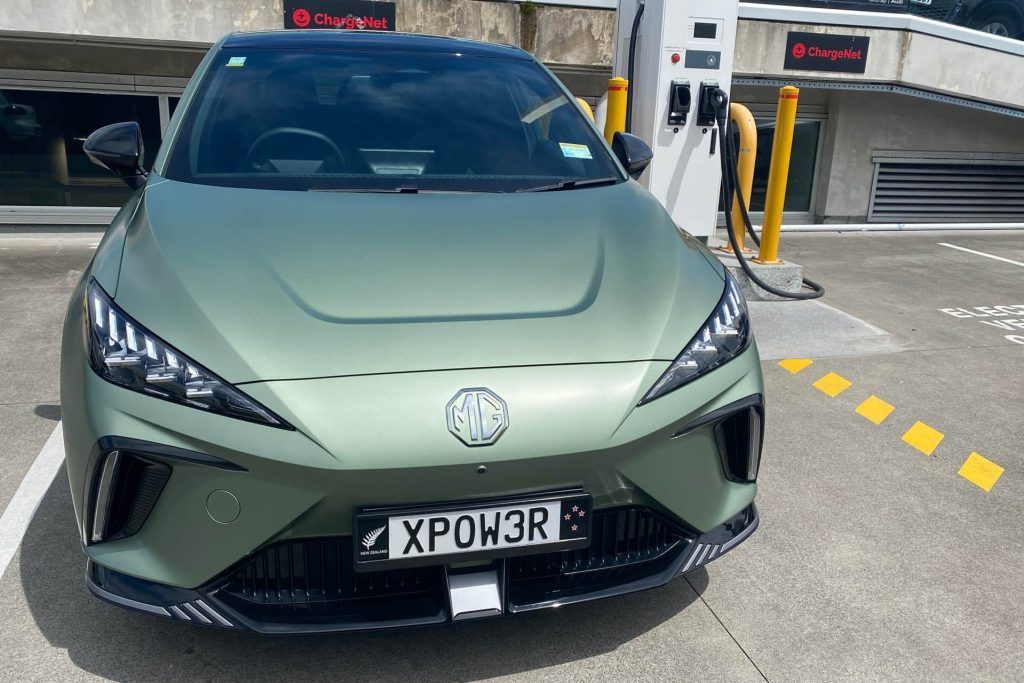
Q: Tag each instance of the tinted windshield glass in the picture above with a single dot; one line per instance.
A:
(359, 120)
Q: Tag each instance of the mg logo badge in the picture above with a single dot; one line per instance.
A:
(477, 417)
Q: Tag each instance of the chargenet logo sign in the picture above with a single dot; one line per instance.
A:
(826, 52)
(351, 15)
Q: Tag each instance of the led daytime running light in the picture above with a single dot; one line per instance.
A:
(124, 353)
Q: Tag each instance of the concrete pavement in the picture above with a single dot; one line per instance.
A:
(873, 560)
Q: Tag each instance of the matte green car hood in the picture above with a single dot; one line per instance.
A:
(265, 285)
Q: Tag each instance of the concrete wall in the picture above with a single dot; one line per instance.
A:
(491, 21)
(24, 55)
(901, 57)
(761, 51)
(863, 123)
(556, 34)
(948, 66)
(574, 36)
(188, 20)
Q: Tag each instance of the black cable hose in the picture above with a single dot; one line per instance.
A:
(743, 207)
(730, 183)
(629, 67)
(730, 150)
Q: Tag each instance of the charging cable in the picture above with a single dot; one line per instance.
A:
(630, 67)
(730, 183)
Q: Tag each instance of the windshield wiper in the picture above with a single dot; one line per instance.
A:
(571, 184)
(401, 189)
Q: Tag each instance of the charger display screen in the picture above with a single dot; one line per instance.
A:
(703, 29)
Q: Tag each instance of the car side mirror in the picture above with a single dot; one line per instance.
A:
(632, 152)
(118, 148)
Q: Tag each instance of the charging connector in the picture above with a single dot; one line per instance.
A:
(707, 104)
(679, 102)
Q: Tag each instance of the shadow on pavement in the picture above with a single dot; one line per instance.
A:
(114, 643)
(48, 411)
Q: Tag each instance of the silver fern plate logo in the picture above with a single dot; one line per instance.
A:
(370, 539)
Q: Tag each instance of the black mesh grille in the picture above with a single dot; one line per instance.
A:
(314, 579)
(626, 544)
(137, 485)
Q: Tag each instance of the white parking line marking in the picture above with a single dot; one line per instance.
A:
(981, 253)
(19, 512)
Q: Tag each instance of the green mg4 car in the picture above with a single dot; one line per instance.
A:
(389, 335)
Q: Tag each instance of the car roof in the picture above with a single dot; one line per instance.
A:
(384, 41)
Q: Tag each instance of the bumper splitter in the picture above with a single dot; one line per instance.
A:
(213, 606)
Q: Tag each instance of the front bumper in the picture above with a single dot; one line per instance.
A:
(296, 587)
(236, 490)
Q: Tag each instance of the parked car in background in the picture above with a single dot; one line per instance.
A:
(17, 121)
(998, 17)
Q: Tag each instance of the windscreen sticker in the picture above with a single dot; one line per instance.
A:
(236, 61)
(574, 151)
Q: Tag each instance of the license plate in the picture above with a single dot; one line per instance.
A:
(385, 538)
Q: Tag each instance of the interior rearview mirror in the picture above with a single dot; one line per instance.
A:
(118, 148)
(632, 152)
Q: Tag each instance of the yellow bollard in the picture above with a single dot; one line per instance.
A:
(585, 106)
(746, 156)
(778, 174)
(618, 89)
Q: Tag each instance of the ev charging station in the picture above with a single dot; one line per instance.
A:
(683, 52)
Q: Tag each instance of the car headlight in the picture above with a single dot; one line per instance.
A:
(125, 353)
(723, 337)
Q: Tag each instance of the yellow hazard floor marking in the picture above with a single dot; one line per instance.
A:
(875, 409)
(981, 471)
(795, 365)
(923, 438)
(832, 384)
(977, 469)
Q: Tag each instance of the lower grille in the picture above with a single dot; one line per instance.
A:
(313, 580)
(307, 582)
(310, 585)
(627, 545)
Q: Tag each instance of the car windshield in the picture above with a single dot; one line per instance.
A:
(384, 121)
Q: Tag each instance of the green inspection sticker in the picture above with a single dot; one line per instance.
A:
(574, 151)
(236, 61)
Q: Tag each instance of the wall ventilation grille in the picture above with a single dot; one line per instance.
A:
(924, 190)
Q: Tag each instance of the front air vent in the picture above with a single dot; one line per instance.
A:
(738, 438)
(126, 490)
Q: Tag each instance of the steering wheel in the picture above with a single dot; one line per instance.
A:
(302, 132)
